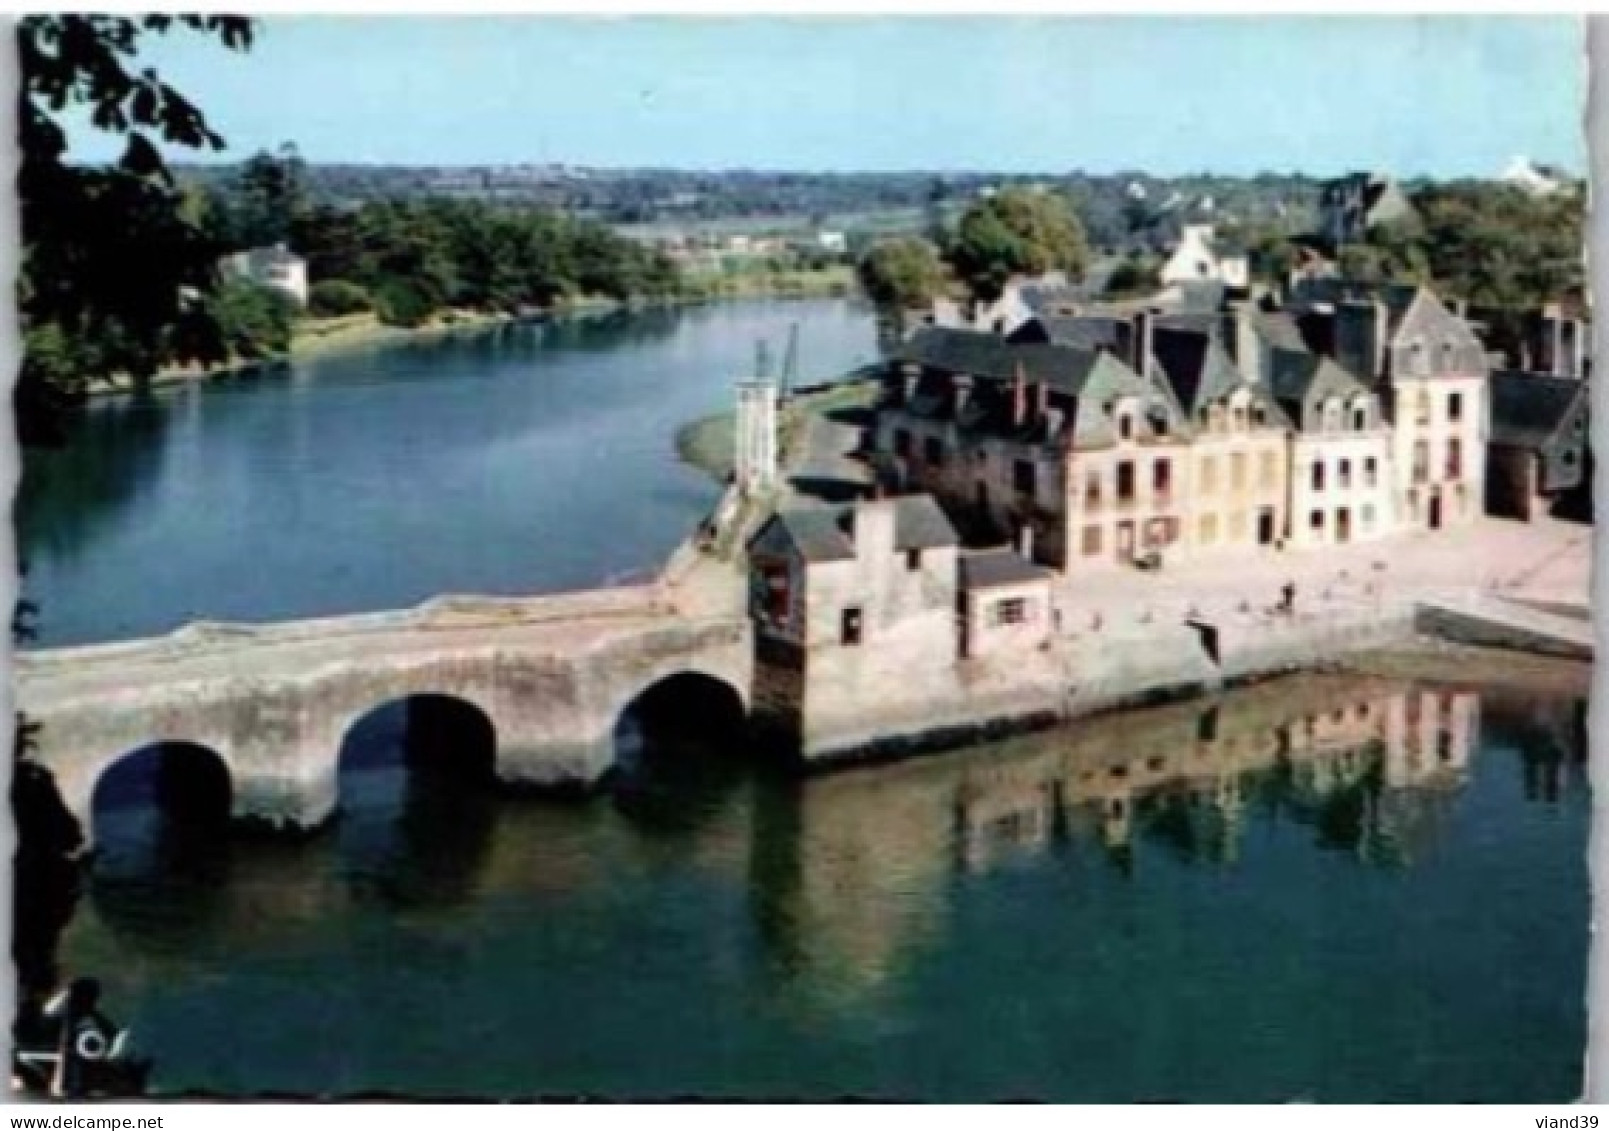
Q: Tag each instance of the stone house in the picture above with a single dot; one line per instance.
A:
(1240, 437)
(1430, 371)
(1069, 452)
(1341, 481)
(854, 609)
(1538, 453)
(1005, 604)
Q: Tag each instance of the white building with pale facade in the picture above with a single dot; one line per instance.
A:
(1432, 376)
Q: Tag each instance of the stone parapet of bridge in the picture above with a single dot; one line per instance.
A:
(552, 674)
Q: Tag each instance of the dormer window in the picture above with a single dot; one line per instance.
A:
(1125, 425)
(1360, 416)
(1332, 415)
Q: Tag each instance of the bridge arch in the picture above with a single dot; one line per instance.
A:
(675, 710)
(158, 799)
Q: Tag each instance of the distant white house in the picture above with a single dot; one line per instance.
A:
(1197, 259)
(834, 242)
(274, 267)
(1537, 180)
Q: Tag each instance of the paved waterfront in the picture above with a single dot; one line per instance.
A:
(1543, 561)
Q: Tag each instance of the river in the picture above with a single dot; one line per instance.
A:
(529, 459)
(1266, 902)
(1315, 890)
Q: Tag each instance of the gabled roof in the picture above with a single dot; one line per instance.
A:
(826, 533)
(1299, 382)
(1528, 409)
(988, 569)
(1195, 366)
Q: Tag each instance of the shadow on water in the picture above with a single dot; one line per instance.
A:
(418, 801)
(680, 752)
(67, 494)
(163, 849)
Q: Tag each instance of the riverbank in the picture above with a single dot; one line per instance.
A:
(707, 443)
(837, 281)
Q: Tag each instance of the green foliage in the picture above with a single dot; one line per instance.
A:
(256, 321)
(1135, 276)
(420, 257)
(113, 264)
(1017, 231)
(334, 298)
(1491, 244)
(901, 273)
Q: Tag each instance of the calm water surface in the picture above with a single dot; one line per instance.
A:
(1291, 897)
(1316, 891)
(531, 459)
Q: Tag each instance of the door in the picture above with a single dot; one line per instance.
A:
(1265, 526)
(1435, 510)
(1343, 525)
(1125, 541)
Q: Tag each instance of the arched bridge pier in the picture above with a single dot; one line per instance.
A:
(274, 703)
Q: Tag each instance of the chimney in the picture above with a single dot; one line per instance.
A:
(910, 375)
(1142, 342)
(872, 529)
(961, 385)
(1019, 397)
(1025, 541)
(1243, 344)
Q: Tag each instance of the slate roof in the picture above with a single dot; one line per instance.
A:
(1087, 332)
(1528, 409)
(1081, 386)
(1281, 330)
(989, 569)
(992, 357)
(1298, 382)
(1195, 366)
(826, 533)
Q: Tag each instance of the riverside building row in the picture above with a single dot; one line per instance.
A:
(1153, 437)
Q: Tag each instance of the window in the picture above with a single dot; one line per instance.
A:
(1125, 481)
(902, 443)
(1022, 477)
(1368, 516)
(913, 560)
(1455, 460)
(1209, 475)
(1092, 541)
(1216, 415)
(1161, 478)
(933, 451)
(1092, 489)
(1343, 475)
(1455, 407)
(1421, 413)
(1238, 418)
(774, 592)
(1318, 475)
(1371, 472)
(1125, 425)
(1421, 460)
(1316, 520)
(1259, 415)
(1268, 470)
(1360, 418)
(849, 626)
(1209, 529)
(1332, 415)
(1237, 471)
(1011, 610)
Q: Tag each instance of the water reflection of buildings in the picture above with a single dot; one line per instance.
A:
(843, 876)
(1295, 744)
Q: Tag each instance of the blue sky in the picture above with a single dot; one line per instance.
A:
(1442, 96)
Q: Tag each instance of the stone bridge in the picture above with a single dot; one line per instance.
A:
(552, 675)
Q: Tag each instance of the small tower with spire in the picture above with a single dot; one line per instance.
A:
(756, 439)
